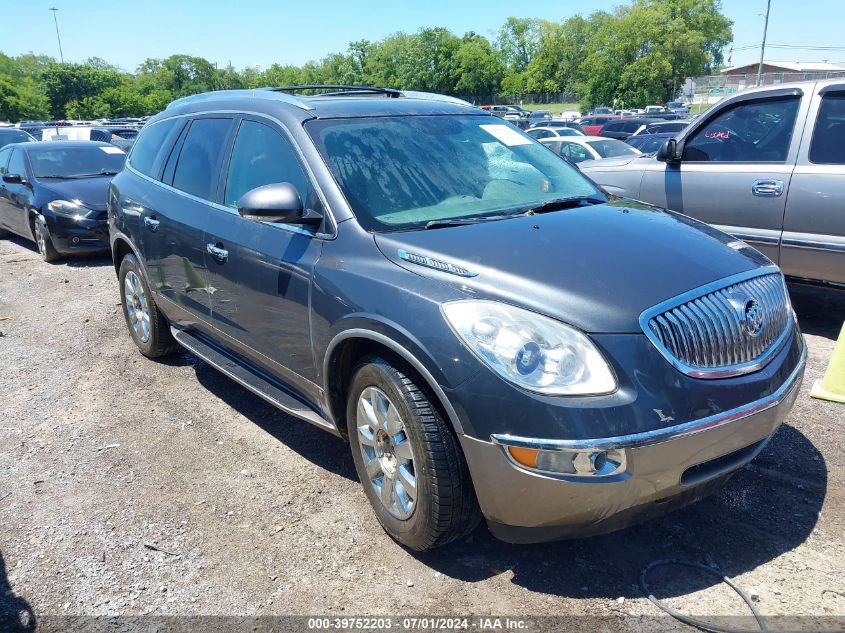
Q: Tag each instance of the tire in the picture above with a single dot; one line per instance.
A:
(444, 506)
(43, 241)
(147, 325)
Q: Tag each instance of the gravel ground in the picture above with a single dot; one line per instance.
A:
(132, 487)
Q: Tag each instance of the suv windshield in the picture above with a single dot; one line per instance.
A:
(405, 172)
(75, 162)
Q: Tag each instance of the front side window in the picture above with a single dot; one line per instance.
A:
(262, 156)
(4, 160)
(828, 145)
(403, 172)
(748, 132)
(17, 165)
(199, 159)
(153, 146)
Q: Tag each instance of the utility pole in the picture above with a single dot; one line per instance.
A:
(58, 37)
(763, 47)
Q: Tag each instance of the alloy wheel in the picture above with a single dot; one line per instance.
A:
(386, 450)
(137, 308)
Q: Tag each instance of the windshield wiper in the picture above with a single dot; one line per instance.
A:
(562, 203)
(437, 224)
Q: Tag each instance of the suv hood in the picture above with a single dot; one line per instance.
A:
(92, 192)
(597, 268)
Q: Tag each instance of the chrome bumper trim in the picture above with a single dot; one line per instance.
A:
(659, 436)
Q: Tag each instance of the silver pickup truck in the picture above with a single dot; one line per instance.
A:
(766, 165)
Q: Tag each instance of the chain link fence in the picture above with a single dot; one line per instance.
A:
(707, 90)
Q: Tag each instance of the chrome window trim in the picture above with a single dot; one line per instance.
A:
(729, 370)
(328, 235)
(658, 436)
(817, 246)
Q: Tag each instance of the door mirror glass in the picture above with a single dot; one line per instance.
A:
(276, 202)
(668, 151)
(13, 179)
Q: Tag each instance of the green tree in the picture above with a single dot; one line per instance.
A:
(479, 69)
(66, 83)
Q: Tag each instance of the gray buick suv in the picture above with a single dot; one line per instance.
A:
(494, 336)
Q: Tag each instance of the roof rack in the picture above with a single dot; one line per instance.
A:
(340, 90)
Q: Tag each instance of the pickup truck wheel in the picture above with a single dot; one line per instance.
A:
(147, 325)
(408, 459)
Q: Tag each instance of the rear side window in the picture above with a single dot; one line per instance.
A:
(153, 146)
(751, 132)
(828, 145)
(199, 159)
(262, 156)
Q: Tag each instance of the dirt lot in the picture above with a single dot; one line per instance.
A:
(134, 487)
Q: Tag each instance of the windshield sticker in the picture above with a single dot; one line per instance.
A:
(112, 150)
(720, 135)
(506, 135)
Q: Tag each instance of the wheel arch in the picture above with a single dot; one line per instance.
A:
(350, 345)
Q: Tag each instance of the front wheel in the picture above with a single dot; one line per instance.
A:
(408, 459)
(43, 241)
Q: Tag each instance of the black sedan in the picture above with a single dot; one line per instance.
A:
(55, 194)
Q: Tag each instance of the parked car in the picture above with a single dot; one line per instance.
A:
(655, 109)
(570, 115)
(592, 125)
(621, 129)
(658, 127)
(558, 123)
(581, 148)
(602, 110)
(542, 131)
(55, 194)
(677, 107)
(491, 332)
(766, 165)
(9, 135)
(539, 117)
(649, 143)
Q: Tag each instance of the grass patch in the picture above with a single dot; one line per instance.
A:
(554, 108)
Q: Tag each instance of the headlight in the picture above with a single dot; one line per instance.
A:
(530, 350)
(69, 208)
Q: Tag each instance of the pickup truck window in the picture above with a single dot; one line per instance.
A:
(751, 132)
(828, 145)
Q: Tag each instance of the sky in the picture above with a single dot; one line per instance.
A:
(263, 32)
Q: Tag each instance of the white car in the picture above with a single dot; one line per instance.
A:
(570, 115)
(580, 148)
(541, 131)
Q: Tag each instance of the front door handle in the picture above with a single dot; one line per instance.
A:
(152, 223)
(767, 188)
(219, 253)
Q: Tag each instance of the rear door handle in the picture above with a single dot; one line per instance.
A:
(219, 253)
(152, 223)
(767, 188)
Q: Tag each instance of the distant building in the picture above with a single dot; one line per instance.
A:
(745, 76)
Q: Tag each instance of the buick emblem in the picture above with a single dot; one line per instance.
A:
(753, 317)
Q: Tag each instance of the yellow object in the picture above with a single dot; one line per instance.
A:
(832, 386)
(524, 456)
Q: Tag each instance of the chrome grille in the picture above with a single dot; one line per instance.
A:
(724, 329)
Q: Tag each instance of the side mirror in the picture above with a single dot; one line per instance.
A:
(668, 152)
(14, 179)
(277, 202)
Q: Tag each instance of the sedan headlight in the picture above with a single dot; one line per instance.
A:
(69, 208)
(530, 350)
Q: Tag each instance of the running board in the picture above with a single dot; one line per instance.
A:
(258, 385)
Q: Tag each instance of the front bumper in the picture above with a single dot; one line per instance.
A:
(663, 469)
(72, 236)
